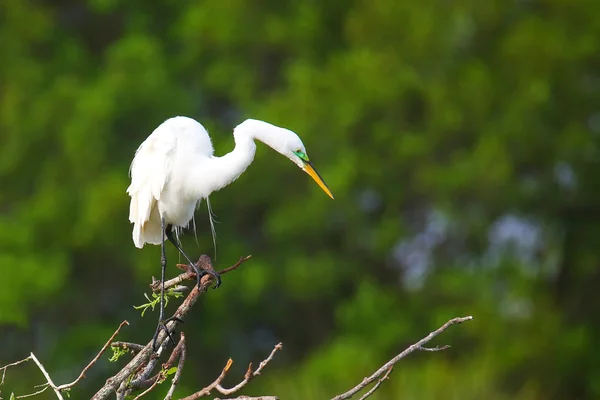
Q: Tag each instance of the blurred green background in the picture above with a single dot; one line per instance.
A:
(461, 140)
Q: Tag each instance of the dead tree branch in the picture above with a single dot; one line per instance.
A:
(177, 376)
(94, 360)
(376, 386)
(216, 385)
(249, 373)
(136, 374)
(386, 369)
(46, 375)
(49, 383)
(14, 364)
(133, 347)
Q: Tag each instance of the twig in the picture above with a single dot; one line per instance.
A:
(134, 347)
(175, 354)
(48, 379)
(11, 365)
(94, 360)
(206, 391)
(386, 367)
(236, 265)
(143, 373)
(433, 349)
(24, 396)
(177, 376)
(143, 382)
(379, 382)
(59, 389)
(216, 385)
(189, 274)
(145, 392)
(155, 285)
(249, 374)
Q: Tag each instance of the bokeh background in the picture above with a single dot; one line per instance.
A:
(460, 138)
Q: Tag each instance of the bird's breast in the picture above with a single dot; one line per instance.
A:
(176, 208)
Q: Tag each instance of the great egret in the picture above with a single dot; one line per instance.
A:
(174, 169)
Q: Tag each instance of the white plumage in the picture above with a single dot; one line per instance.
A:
(157, 171)
(174, 169)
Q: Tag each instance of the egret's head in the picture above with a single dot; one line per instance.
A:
(295, 151)
(283, 141)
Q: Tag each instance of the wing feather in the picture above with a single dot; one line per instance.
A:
(149, 173)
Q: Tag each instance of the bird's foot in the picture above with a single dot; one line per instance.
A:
(216, 277)
(163, 325)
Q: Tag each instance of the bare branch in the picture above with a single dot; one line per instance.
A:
(386, 368)
(379, 382)
(190, 274)
(249, 374)
(433, 349)
(48, 379)
(134, 347)
(24, 396)
(139, 366)
(59, 389)
(177, 376)
(3, 369)
(206, 391)
(150, 383)
(145, 392)
(143, 379)
(236, 265)
(82, 375)
(216, 385)
(135, 376)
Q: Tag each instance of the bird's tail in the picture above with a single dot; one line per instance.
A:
(149, 232)
(147, 226)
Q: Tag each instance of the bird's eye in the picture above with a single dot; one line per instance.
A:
(301, 154)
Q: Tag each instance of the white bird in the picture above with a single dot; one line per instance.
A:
(174, 169)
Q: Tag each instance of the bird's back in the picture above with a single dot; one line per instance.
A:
(175, 140)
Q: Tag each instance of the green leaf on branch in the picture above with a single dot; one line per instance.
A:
(156, 300)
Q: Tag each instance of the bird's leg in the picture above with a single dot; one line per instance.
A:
(161, 314)
(199, 274)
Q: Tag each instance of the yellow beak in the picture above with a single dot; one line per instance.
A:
(310, 170)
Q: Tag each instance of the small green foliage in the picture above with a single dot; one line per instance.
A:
(156, 300)
(117, 353)
(171, 371)
(150, 304)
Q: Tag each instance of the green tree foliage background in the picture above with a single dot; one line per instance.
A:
(460, 138)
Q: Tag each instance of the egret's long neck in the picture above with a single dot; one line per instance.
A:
(217, 172)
